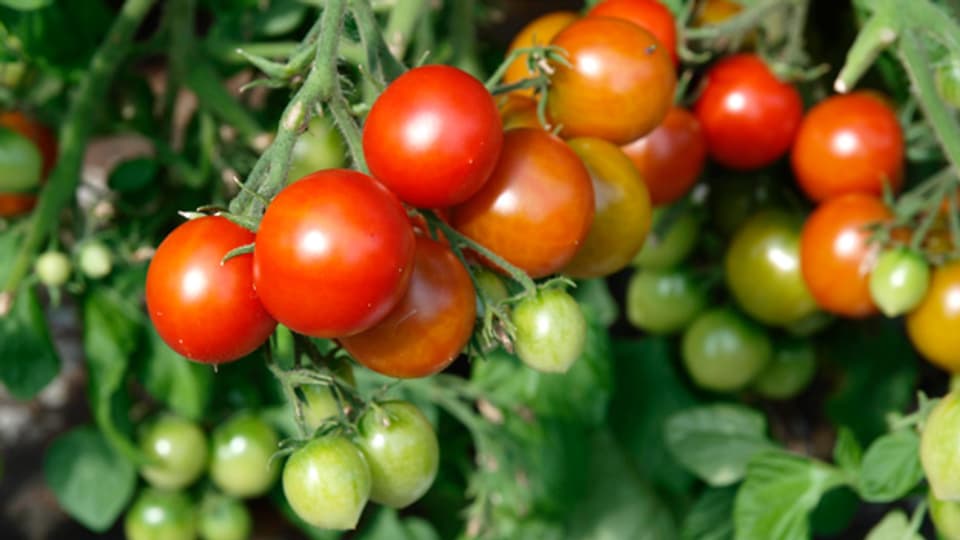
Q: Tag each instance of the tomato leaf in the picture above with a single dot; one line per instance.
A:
(133, 174)
(847, 453)
(780, 491)
(617, 502)
(710, 516)
(894, 526)
(594, 295)
(891, 467)
(184, 386)
(25, 5)
(716, 442)
(29, 360)
(92, 482)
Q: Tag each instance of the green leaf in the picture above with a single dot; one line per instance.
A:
(780, 491)
(594, 296)
(92, 482)
(387, 525)
(184, 386)
(647, 391)
(29, 359)
(711, 517)
(891, 467)
(716, 442)
(847, 452)
(617, 503)
(133, 175)
(110, 337)
(894, 526)
(25, 5)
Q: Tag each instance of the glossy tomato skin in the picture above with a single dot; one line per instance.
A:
(240, 453)
(671, 157)
(835, 254)
(724, 351)
(203, 310)
(176, 450)
(848, 144)
(160, 515)
(433, 136)
(749, 117)
(328, 482)
(551, 331)
(650, 15)
(333, 255)
(619, 85)
(899, 281)
(433, 322)
(622, 215)
(762, 266)
(38, 133)
(537, 207)
(540, 31)
(934, 326)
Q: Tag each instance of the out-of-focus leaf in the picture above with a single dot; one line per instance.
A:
(182, 385)
(133, 174)
(61, 36)
(28, 360)
(711, 517)
(387, 525)
(847, 452)
(25, 5)
(891, 467)
(894, 526)
(594, 295)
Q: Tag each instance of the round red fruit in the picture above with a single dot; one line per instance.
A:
(671, 157)
(650, 15)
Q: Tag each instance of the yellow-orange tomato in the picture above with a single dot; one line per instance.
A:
(715, 12)
(518, 110)
(934, 326)
(671, 157)
(539, 32)
(619, 84)
(622, 213)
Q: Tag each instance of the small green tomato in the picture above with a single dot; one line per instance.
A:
(224, 518)
(327, 483)
(160, 515)
(176, 450)
(240, 460)
(899, 281)
(96, 261)
(790, 371)
(53, 268)
(551, 331)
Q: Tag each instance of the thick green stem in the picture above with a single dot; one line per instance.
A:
(463, 36)
(739, 23)
(382, 65)
(401, 24)
(74, 132)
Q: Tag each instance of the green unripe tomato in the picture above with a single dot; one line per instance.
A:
(176, 450)
(327, 483)
(21, 165)
(160, 515)
(319, 147)
(240, 460)
(664, 301)
(945, 516)
(53, 268)
(402, 450)
(320, 405)
(899, 281)
(790, 371)
(947, 78)
(670, 246)
(762, 267)
(224, 518)
(96, 260)
(940, 448)
(724, 351)
(551, 331)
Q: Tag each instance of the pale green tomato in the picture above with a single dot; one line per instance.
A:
(946, 517)
(160, 515)
(899, 281)
(724, 351)
(320, 405)
(240, 461)
(21, 164)
(940, 448)
(790, 371)
(96, 261)
(319, 147)
(224, 518)
(664, 301)
(327, 483)
(53, 268)
(670, 246)
(551, 331)
(402, 450)
(176, 452)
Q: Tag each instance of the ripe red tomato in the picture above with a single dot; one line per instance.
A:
(537, 207)
(749, 117)
(619, 85)
(433, 136)
(848, 143)
(835, 255)
(934, 326)
(35, 131)
(430, 325)
(540, 31)
(650, 15)
(202, 309)
(622, 215)
(671, 157)
(334, 254)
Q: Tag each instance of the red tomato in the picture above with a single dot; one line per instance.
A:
(433, 136)
(431, 324)
(848, 143)
(835, 255)
(671, 157)
(334, 254)
(619, 85)
(538, 32)
(205, 310)
(14, 204)
(650, 15)
(36, 132)
(537, 207)
(749, 117)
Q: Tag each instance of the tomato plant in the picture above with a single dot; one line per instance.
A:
(160, 515)
(724, 351)
(240, 456)
(551, 331)
(433, 136)
(333, 254)
(176, 452)
(932, 326)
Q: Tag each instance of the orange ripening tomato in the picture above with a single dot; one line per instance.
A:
(538, 32)
(619, 84)
(15, 204)
(848, 143)
(35, 131)
(432, 323)
(934, 326)
(622, 214)
(518, 111)
(671, 157)
(836, 256)
(536, 209)
(650, 15)
(715, 12)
